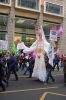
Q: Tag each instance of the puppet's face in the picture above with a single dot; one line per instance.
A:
(39, 36)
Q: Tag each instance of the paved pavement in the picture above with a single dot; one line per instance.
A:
(32, 89)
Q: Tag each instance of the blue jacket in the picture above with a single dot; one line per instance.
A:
(56, 59)
(13, 62)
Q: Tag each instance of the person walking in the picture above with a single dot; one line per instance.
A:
(31, 64)
(64, 70)
(2, 76)
(56, 62)
(49, 71)
(13, 67)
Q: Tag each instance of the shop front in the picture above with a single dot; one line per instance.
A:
(25, 29)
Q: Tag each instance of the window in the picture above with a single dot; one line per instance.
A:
(2, 35)
(53, 8)
(2, 32)
(33, 4)
(5, 1)
(3, 26)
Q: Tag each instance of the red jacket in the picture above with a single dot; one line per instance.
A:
(62, 58)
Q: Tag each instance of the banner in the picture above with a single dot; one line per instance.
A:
(3, 45)
(20, 46)
(51, 54)
(53, 35)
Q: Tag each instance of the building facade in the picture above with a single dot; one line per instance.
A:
(26, 14)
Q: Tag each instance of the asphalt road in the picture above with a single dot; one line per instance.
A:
(32, 89)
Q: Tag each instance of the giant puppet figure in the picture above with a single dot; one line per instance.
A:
(40, 46)
(39, 70)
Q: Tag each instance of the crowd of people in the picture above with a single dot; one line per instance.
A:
(10, 64)
(40, 66)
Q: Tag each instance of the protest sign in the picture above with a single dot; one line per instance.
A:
(3, 45)
(53, 35)
(20, 45)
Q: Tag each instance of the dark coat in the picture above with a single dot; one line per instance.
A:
(13, 62)
(1, 69)
(64, 66)
(56, 59)
(31, 62)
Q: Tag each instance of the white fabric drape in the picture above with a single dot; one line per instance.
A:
(39, 70)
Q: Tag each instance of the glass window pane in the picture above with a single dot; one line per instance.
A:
(2, 35)
(53, 8)
(5, 1)
(34, 4)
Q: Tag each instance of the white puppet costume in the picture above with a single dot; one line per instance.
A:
(39, 46)
(39, 70)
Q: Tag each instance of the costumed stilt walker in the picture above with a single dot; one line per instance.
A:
(40, 46)
(39, 70)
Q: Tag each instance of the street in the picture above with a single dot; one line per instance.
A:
(32, 35)
(32, 89)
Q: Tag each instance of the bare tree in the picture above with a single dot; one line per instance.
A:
(11, 24)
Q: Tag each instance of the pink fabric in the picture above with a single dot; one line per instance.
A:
(34, 54)
(60, 31)
(58, 52)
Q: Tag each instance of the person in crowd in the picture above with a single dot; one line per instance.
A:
(31, 64)
(2, 76)
(21, 60)
(49, 70)
(64, 70)
(12, 67)
(62, 60)
(8, 55)
(56, 62)
(26, 64)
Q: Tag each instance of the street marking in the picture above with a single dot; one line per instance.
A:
(28, 90)
(57, 94)
(51, 93)
(43, 96)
